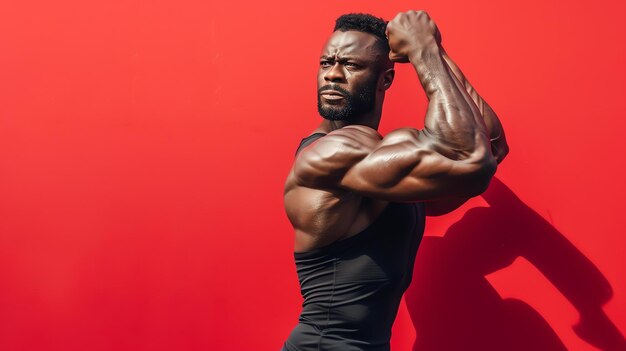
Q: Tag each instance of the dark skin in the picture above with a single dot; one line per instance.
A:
(342, 182)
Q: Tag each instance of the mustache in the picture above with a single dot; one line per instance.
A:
(334, 87)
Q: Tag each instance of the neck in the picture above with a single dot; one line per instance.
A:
(371, 119)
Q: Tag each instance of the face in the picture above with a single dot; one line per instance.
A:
(348, 77)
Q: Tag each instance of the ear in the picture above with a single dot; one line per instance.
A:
(387, 78)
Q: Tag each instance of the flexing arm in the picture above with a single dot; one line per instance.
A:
(499, 147)
(450, 157)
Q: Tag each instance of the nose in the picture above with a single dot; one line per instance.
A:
(334, 74)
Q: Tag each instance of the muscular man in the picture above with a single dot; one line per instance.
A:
(357, 200)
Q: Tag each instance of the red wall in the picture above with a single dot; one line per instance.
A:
(144, 146)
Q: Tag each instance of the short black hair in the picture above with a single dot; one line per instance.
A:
(366, 23)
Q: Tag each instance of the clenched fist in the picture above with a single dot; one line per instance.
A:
(410, 32)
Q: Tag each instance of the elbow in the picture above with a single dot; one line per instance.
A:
(499, 148)
(481, 177)
(500, 152)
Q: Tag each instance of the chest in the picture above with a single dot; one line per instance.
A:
(320, 217)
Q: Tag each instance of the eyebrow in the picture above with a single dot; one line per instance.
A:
(342, 58)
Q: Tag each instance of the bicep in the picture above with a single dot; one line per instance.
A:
(406, 167)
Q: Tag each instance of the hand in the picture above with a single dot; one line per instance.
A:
(410, 32)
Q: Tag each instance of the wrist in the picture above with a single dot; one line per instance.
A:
(424, 50)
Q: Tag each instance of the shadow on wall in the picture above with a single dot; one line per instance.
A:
(459, 310)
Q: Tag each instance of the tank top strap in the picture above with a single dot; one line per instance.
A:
(308, 140)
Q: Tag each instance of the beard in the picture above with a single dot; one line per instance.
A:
(356, 105)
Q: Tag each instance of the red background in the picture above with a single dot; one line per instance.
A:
(144, 146)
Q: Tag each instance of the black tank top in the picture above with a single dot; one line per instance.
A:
(352, 287)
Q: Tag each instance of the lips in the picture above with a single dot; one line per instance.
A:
(332, 95)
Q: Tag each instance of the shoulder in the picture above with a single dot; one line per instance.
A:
(332, 155)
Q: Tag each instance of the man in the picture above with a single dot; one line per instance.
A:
(357, 200)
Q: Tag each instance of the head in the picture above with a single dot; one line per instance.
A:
(355, 70)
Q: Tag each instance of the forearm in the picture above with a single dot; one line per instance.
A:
(495, 131)
(452, 118)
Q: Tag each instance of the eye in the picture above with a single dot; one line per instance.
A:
(325, 64)
(351, 65)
